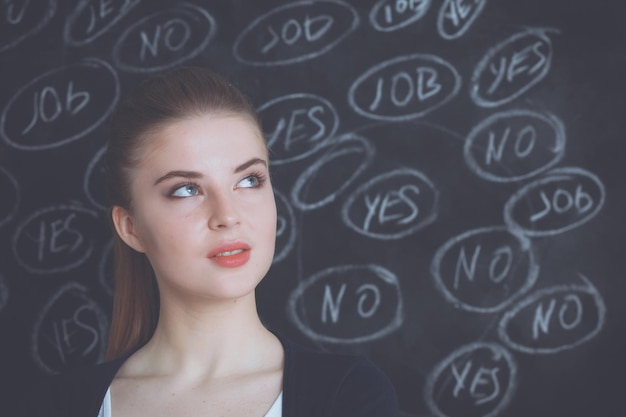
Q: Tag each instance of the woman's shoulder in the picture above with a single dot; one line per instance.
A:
(335, 384)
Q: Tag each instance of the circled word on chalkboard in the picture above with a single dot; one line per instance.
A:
(297, 125)
(554, 319)
(347, 304)
(392, 205)
(295, 32)
(483, 270)
(514, 145)
(477, 379)
(404, 87)
(64, 101)
(70, 331)
(164, 39)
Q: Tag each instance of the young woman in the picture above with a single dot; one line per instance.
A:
(195, 221)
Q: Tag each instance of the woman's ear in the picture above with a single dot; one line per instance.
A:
(125, 228)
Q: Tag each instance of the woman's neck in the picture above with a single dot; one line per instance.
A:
(200, 340)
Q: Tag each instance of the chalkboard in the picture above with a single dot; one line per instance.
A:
(449, 178)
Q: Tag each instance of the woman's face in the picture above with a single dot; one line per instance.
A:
(203, 209)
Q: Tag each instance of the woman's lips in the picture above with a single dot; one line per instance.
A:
(230, 255)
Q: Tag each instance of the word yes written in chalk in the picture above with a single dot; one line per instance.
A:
(72, 335)
(479, 383)
(527, 61)
(395, 205)
(57, 237)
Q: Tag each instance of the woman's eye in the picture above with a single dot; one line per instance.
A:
(250, 181)
(187, 190)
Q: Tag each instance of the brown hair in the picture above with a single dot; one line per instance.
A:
(171, 96)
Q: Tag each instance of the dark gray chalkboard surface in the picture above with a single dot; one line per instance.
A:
(449, 179)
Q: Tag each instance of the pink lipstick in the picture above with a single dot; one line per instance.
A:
(230, 255)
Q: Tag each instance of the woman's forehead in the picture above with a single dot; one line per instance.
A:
(204, 136)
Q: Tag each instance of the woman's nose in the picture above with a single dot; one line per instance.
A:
(223, 213)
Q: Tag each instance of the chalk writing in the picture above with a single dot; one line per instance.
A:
(4, 292)
(21, 19)
(295, 32)
(563, 199)
(60, 106)
(105, 269)
(92, 18)
(456, 16)
(10, 200)
(483, 270)
(164, 39)
(347, 304)
(477, 379)
(392, 205)
(285, 227)
(554, 319)
(297, 125)
(341, 162)
(93, 183)
(390, 15)
(514, 145)
(511, 68)
(55, 239)
(404, 87)
(70, 331)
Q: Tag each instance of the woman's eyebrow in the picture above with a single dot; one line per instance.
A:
(196, 175)
(179, 174)
(251, 162)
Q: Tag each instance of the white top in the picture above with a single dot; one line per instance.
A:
(276, 410)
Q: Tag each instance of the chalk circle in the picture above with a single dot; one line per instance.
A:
(63, 243)
(70, 331)
(404, 87)
(341, 162)
(484, 270)
(26, 24)
(285, 227)
(538, 145)
(563, 199)
(490, 364)
(10, 201)
(301, 123)
(384, 12)
(300, 30)
(60, 106)
(74, 23)
(187, 30)
(93, 183)
(347, 304)
(482, 91)
(561, 309)
(450, 8)
(414, 201)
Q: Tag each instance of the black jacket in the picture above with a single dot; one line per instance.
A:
(315, 384)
